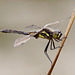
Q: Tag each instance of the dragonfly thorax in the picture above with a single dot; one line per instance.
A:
(44, 33)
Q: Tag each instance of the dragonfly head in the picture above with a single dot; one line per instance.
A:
(57, 34)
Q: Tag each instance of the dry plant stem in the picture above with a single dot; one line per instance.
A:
(63, 41)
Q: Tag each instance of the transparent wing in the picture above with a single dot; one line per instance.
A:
(32, 27)
(21, 40)
(54, 23)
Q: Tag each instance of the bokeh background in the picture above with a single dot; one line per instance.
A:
(29, 58)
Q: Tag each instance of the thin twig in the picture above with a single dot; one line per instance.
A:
(63, 41)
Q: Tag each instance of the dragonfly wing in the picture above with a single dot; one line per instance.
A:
(21, 40)
(57, 22)
(51, 24)
(32, 27)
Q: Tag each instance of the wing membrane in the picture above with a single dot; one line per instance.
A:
(54, 23)
(32, 27)
(21, 40)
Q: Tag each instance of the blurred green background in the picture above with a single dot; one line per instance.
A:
(29, 58)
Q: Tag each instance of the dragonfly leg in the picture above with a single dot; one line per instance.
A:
(63, 38)
(45, 51)
(59, 39)
(52, 44)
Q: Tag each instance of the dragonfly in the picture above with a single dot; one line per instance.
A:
(46, 33)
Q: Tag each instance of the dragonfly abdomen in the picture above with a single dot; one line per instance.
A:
(14, 31)
(18, 32)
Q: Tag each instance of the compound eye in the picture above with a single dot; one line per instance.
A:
(59, 35)
(59, 31)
